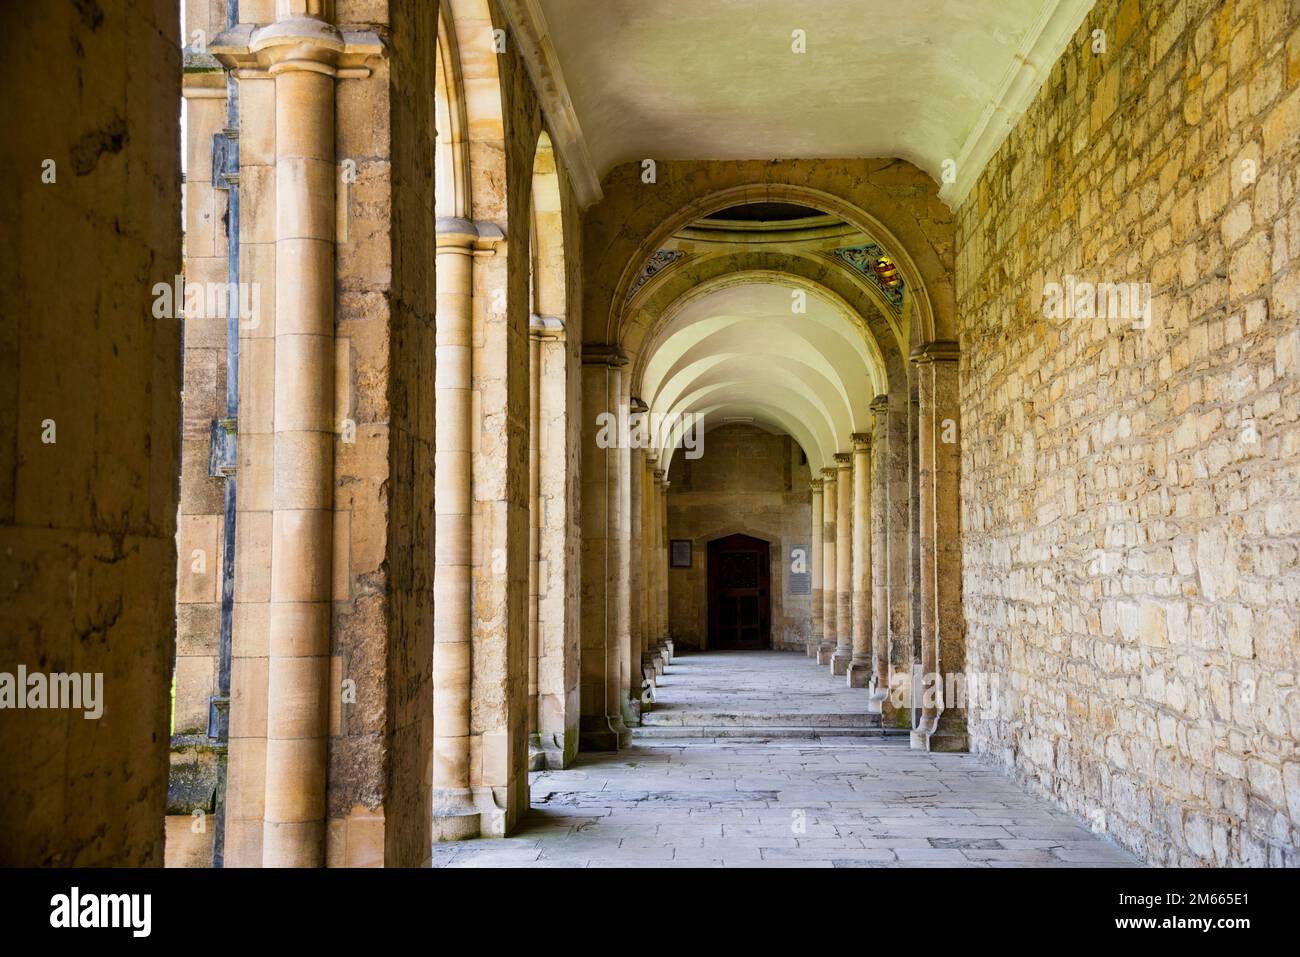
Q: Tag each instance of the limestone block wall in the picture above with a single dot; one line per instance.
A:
(748, 481)
(1131, 488)
(89, 422)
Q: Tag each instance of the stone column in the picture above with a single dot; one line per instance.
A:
(536, 757)
(843, 565)
(556, 660)
(815, 571)
(860, 666)
(635, 585)
(658, 611)
(943, 645)
(829, 599)
(648, 461)
(301, 53)
(601, 727)
(881, 555)
(454, 814)
(663, 577)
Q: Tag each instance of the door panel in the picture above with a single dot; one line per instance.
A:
(740, 607)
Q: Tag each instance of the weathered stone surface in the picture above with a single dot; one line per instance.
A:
(1124, 482)
(89, 423)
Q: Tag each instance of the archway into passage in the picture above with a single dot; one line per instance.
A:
(754, 381)
(552, 628)
(767, 348)
(740, 595)
(918, 262)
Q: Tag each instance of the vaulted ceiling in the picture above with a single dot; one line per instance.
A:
(736, 350)
(922, 80)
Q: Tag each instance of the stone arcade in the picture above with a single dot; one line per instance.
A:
(890, 539)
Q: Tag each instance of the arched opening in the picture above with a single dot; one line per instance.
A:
(765, 341)
(551, 613)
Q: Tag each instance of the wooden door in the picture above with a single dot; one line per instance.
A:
(740, 605)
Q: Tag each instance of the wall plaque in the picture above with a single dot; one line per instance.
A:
(800, 576)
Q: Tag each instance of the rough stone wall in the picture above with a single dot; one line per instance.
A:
(748, 481)
(88, 520)
(499, 695)
(1131, 490)
(411, 366)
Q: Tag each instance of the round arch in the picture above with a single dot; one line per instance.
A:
(704, 358)
(467, 34)
(548, 297)
(451, 148)
(919, 277)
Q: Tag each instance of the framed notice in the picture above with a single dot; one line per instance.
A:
(799, 578)
(679, 553)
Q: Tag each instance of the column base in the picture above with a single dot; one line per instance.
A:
(859, 674)
(940, 735)
(621, 729)
(840, 661)
(632, 712)
(824, 653)
(456, 816)
(536, 755)
(603, 733)
(810, 648)
(557, 749)
(668, 651)
(647, 686)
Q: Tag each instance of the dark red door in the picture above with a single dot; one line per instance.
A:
(740, 607)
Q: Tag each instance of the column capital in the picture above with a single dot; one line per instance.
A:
(603, 354)
(463, 235)
(938, 350)
(829, 474)
(550, 328)
(659, 476)
(843, 459)
(815, 485)
(879, 405)
(296, 43)
(861, 441)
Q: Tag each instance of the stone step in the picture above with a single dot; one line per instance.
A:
(759, 720)
(666, 731)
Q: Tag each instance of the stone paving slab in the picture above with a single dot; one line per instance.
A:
(854, 802)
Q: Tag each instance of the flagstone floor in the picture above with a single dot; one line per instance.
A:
(763, 759)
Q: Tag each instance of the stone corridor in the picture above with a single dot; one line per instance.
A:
(571, 432)
(761, 759)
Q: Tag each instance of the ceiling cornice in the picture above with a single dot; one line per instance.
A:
(528, 24)
(1042, 46)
